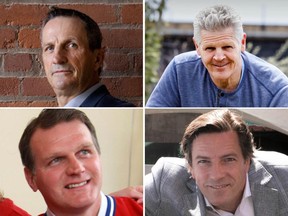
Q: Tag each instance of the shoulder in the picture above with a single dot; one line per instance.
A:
(187, 57)
(102, 98)
(274, 162)
(271, 158)
(263, 70)
(167, 170)
(171, 163)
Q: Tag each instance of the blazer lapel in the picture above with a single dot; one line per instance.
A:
(265, 198)
(193, 202)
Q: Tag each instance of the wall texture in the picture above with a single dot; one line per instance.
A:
(22, 78)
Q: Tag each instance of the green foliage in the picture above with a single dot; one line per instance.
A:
(153, 23)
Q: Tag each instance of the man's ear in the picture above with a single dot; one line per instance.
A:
(196, 46)
(99, 61)
(30, 178)
(99, 57)
(191, 170)
(243, 42)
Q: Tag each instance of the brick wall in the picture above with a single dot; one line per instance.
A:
(22, 78)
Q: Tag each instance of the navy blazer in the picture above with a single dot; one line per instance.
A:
(102, 98)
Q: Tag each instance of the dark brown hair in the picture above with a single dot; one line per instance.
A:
(217, 121)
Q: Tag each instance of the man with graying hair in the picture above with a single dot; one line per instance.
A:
(73, 58)
(222, 173)
(219, 73)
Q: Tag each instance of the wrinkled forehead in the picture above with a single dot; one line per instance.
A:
(70, 24)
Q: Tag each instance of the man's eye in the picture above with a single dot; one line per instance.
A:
(84, 152)
(203, 162)
(228, 47)
(229, 160)
(209, 48)
(49, 48)
(72, 45)
(55, 161)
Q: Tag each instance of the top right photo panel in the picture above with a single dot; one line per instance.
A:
(216, 53)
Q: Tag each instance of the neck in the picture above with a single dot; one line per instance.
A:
(229, 84)
(85, 211)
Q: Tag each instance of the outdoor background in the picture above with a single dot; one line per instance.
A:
(169, 31)
(120, 135)
(22, 78)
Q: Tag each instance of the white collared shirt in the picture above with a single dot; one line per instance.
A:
(244, 209)
(79, 99)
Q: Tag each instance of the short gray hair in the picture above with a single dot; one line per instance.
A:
(217, 18)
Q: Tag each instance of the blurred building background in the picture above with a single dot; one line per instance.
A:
(169, 31)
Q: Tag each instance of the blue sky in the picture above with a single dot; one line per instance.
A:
(269, 12)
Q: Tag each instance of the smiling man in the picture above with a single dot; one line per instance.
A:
(61, 155)
(73, 59)
(220, 73)
(222, 174)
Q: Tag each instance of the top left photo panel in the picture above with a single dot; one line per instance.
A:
(71, 54)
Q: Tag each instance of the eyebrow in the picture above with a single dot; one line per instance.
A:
(60, 154)
(223, 156)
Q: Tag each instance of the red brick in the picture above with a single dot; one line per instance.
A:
(29, 38)
(123, 38)
(3, 15)
(116, 62)
(101, 13)
(124, 87)
(20, 14)
(7, 38)
(29, 104)
(37, 87)
(9, 86)
(132, 14)
(138, 63)
(17, 62)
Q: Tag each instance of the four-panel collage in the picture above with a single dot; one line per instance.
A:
(143, 107)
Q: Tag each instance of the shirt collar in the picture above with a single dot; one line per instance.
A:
(79, 99)
(103, 206)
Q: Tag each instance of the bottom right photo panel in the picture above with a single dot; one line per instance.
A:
(216, 162)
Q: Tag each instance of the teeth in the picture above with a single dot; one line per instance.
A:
(76, 185)
(219, 186)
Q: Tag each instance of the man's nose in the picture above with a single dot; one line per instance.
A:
(219, 55)
(217, 171)
(59, 56)
(75, 166)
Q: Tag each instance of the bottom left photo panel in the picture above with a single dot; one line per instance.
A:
(63, 161)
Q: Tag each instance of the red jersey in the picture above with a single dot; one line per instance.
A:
(7, 208)
(121, 206)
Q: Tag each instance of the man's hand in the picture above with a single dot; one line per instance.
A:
(134, 192)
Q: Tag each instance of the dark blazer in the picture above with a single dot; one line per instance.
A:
(170, 190)
(102, 98)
